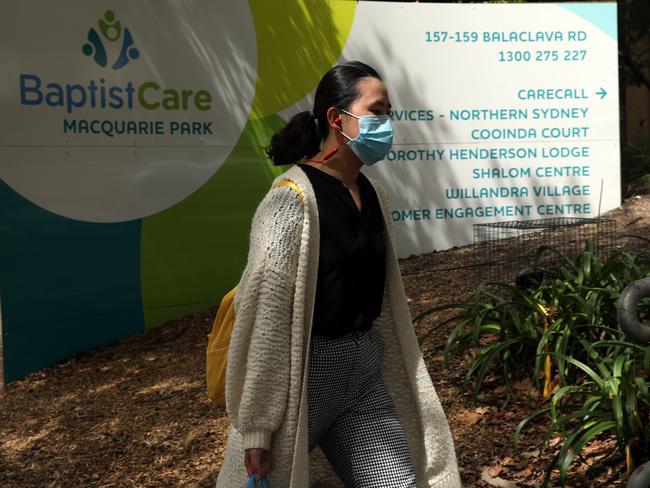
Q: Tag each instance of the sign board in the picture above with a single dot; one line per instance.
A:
(501, 112)
(132, 140)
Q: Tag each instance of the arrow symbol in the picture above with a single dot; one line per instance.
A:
(601, 92)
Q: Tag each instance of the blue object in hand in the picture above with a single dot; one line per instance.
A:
(264, 483)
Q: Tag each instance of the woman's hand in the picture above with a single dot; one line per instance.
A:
(258, 461)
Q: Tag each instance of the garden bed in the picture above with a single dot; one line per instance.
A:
(135, 413)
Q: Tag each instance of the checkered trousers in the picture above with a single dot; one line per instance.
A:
(351, 415)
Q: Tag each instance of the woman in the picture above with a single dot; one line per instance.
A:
(323, 351)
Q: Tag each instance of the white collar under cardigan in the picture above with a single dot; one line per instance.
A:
(266, 389)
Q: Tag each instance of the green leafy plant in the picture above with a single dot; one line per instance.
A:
(561, 331)
(514, 330)
(610, 396)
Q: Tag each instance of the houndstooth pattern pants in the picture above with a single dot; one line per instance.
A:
(351, 415)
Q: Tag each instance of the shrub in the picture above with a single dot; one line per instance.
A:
(559, 329)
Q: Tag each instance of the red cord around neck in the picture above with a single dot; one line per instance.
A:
(326, 156)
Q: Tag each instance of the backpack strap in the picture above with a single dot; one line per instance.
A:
(291, 184)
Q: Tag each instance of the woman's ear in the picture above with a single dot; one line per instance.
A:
(334, 118)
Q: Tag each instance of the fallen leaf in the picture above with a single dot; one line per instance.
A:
(508, 461)
(531, 454)
(493, 470)
(525, 473)
(469, 418)
(496, 481)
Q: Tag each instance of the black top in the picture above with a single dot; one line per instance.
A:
(352, 266)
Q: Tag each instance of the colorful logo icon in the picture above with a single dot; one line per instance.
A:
(111, 32)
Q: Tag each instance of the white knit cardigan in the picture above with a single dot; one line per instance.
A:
(266, 388)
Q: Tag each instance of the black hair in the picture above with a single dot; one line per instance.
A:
(303, 134)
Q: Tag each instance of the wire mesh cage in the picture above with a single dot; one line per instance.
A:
(503, 249)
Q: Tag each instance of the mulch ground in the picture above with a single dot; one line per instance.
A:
(135, 413)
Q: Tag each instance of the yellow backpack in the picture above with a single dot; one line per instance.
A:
(216, 355)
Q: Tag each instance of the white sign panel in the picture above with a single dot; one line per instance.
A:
(501, 112)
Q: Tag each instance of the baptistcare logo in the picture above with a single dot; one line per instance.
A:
(112, 32)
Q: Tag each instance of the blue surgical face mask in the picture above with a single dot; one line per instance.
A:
(374, 140)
